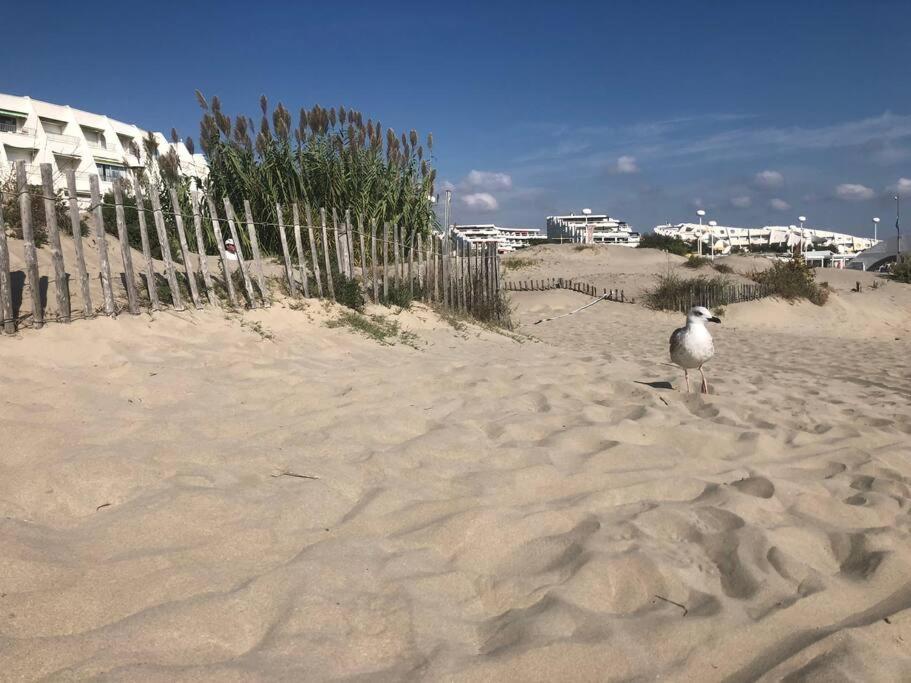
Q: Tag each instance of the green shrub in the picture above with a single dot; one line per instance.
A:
(694, 261)
(676, 293)
(901, 270)
(13, 219)
(792, 280)
(348, 292)
(517, 263)
(674, 245)
(723, 268)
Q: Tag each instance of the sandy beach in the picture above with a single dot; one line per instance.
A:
(262, 497)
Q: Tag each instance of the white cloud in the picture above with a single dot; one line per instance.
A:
(626, 164)
(779, 204)
(769, 179)
(853, 192)
(902, 187)
(487, 180)
(481, 201)
(741, 202)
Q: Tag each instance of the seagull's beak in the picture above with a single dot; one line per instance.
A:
(714, 319)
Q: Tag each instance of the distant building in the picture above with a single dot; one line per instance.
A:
(722, 239)
(40, 132)
(591, 228)
(880, 255)
(507, 239)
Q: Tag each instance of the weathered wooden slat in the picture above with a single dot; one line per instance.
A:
(170, 271)
(420, 271)
(363, 245)
(376, 280)
(329, 278)
(437, 266)
(395, 255)
(82, 273)
(241, 263)
(349, 235)
(184, 249)
(254, 245)
(28, 238)
(299, 245)
(106, 289)
(314, 254)
(6, 281)
(411, 267)
(385, 261)
(335, 241)
(222, 253)
(444, 253)
(201, 249)
(125, 254)
(61, 283)
(292, 287)
(151, 287)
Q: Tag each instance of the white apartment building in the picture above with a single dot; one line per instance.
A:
(507, 239)
(722, 238)
(591, 228)
(40, 132)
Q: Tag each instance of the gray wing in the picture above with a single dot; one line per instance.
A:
(677, 340)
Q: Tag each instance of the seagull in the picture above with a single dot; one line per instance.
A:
(692, 346)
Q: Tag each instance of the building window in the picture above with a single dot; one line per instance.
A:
(8, 124)
(109, 172)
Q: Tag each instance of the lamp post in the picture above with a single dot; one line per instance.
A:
(712, 225)
(875, 225)
(898, 230)
(803, 236)
(700, 213)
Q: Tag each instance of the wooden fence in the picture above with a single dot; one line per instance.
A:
(387, 267)
(572, 285)
(714, 295)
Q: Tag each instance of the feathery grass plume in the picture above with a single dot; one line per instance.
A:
(264, 104)
(202, 101)
(429, 142)
(303, 121)
(420, 153)
(332, 118)
(413, 137)
(191, 148)
(342, 115)
(175, 138)
(151, 145)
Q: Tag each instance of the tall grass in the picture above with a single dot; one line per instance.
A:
(330, 158)
(792, 280)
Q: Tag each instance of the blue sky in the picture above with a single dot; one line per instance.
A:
(755, 111)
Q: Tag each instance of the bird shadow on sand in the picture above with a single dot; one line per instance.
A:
(656, 385)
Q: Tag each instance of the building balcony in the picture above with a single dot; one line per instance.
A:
(101, 145)
(11, 128)
(64, 139)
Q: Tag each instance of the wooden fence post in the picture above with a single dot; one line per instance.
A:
(128, 274)
(420, 275)
(88, 310)
(106, 288)
(28, 237)
(437, 266)
(385, 261)
(322, 216)
(165, 250)
(184, 249)
(395, 254)
(314, 254)
(225, 268)
(299, 245)
(61, 284)
(349, 244)
(6, 282)
(254, 245)
(232, 226)
(201, 249)
(363, 254)
(444, 244)
(151, 286)
(338, 249)
(411, 267)
(376, 281)
(292, 288)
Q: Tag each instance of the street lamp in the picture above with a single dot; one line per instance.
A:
(700, 213)
(875, 225)
(803, 237)
(898, 230)
(712, 225)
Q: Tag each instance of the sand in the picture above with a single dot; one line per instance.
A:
(485, 507)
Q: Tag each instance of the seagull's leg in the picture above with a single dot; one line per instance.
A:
(686, 378)
(705, 382)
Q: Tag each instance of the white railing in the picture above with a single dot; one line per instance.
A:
(98, 144)
(60, 137)
(11, 128)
